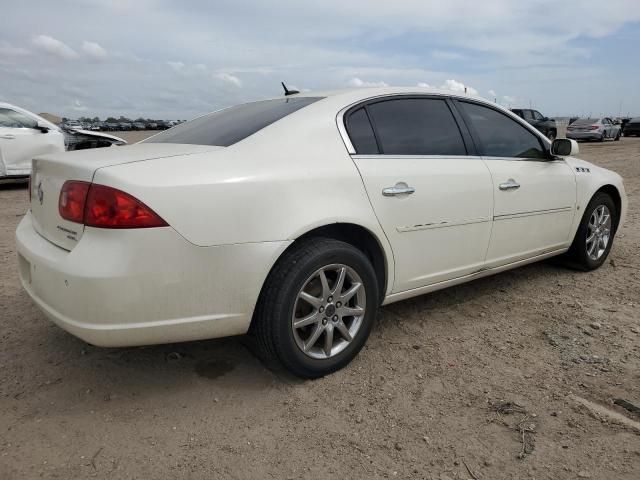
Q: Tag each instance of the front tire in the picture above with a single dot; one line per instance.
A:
(317, 307)
(594, 238)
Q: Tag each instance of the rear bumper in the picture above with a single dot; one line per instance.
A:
(145, 286)
(584, 135)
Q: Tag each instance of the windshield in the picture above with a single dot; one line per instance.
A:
(229, 126)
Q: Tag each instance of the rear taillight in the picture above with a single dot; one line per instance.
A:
(72, 200)
(594, 127)
(108, 207)
(105, 207)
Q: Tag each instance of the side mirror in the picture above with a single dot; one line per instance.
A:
(563, 147)
(42, 127)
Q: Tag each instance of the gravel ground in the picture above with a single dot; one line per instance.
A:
(512, 376)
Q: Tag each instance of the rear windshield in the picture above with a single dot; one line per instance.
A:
(229, 126)
(585, 121)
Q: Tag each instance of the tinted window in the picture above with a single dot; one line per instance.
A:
(500, 135)
(537, 115)
(361, 133)
(585, 121)
(528, 115)
(413, 126)
(231, 125)
(12, 119)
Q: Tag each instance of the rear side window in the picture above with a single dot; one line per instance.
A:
(501, 136)
(229, 126)
(416, 126)
(361, 133)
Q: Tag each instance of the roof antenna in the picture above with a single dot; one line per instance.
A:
(288, 92)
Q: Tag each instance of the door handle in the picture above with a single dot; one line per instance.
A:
(400, 188)
(8, 136)
(510, 184)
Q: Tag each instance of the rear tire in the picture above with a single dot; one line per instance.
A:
(594, 238)
(300, 319)
(551, 135)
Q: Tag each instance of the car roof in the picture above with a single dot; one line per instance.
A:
(362, 93)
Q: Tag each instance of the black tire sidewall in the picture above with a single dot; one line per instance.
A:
(285, 345)
(579, 246)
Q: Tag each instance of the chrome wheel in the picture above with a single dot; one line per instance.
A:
(329, 311)
(598, 232)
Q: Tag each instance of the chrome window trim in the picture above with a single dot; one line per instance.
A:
(352, 151)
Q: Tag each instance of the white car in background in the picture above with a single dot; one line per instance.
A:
(295, 218)
(25, 135)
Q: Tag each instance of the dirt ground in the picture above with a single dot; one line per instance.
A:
(482, 381)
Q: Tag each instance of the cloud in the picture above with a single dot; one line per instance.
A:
(446, 55)
(177, 66)
(423, 85)
(509, 99)
(228, 79)
(94, 50)
(53, 46)
(492, 93)
(78, 106)
(458, 87)
(6, 49)
(356, 82)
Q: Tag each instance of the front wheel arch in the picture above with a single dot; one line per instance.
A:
(613, 192)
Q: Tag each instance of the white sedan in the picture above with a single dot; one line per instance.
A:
(25, 135)
(295, 218)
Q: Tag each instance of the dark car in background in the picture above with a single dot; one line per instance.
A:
(543, 124)
(632, 127)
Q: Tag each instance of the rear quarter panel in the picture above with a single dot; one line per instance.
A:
(285, 180)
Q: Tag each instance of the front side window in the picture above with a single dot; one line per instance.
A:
(231, 125)
(501, 136)
(12, 119)
(416, 126)
(528, 115)
(537, 115)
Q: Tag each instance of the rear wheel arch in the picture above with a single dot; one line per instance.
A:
(359, 237)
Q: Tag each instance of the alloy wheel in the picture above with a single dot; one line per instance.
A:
(598, 232)
(328, 311)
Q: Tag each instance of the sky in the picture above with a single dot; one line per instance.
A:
(176, 60)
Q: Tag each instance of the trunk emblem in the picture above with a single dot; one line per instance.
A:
(40, 193)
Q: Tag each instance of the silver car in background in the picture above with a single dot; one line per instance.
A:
(593, 129)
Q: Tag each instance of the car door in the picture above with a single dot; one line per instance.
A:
(534, 195)
(432, 196)
(20, 141)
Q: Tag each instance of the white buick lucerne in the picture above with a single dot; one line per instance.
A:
(295, 218)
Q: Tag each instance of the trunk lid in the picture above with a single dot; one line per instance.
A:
(49, 173)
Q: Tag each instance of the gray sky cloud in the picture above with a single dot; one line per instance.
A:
(160, 58)
(53, 46)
